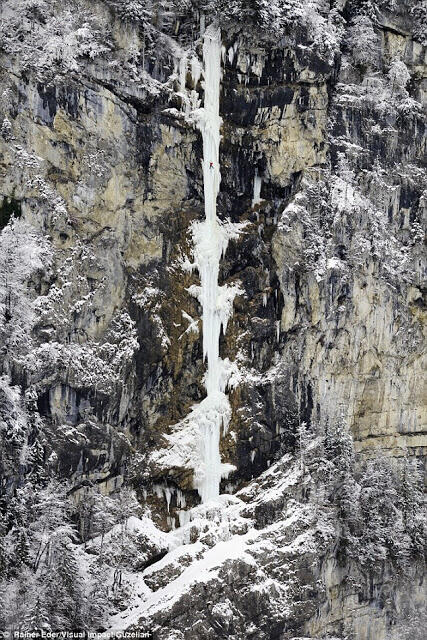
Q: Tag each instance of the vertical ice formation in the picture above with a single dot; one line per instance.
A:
(195, 441)
(210, 240)
(182, 72)
(257, 189)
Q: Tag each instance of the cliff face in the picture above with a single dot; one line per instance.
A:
(323, 160)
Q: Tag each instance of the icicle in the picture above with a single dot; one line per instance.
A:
(257, 189)
(196, 71)
(168, 494)
(264, 299)
(180, 499)
(182, 72)
(277, 330)
(184, 518)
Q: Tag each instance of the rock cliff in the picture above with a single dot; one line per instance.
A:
(323, 165)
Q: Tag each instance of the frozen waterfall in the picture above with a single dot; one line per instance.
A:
(210, 239)
(195, 441)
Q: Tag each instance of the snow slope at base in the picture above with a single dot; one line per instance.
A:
(227, 532)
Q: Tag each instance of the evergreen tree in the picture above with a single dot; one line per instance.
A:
(97, 603)
(37, 617)
(18, 599)
(68, 576)
(3, 556)
(22, 549)
(412, 505)
(51, 525)
(382, 533)
(22, 253)
(399, 77)
(338, 445)
(363, 42)
(55, 601)
(339, 451)
(104, 516)
(64, 600)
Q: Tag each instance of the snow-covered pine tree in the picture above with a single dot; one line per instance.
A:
(97, 601)
(13, 430)
(338, 444)
(19, 597)
(343, 488)
(68, 576)
(63, 596)
(37, 617)
(413, 506)
(104, 516)
(22, 549)
(23, 252)
(381, 532)
(51, 527)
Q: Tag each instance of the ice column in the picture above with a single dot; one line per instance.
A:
(210, 241)
(208, 248)
(257, 189)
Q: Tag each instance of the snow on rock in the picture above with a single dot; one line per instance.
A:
(255, 547)
(193, 325)
(142, 529)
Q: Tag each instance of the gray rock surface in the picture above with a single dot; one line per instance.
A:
(325, 102)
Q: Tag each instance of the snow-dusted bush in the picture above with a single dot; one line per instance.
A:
(135, 10)
(419, 13)
(46, 34)
(399, 77)
(362, 41)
